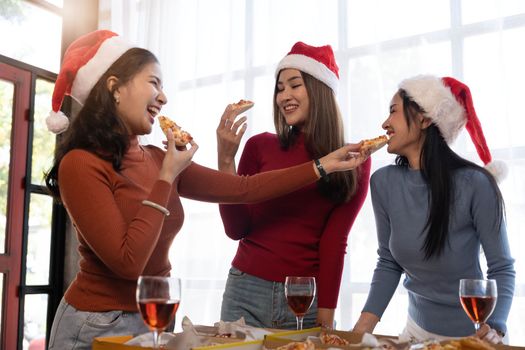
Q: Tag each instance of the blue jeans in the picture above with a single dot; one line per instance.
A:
(74, 329)
(262, 303)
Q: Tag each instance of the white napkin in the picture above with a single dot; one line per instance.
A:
(146, 339)
(240, 326)
(369, 340)
(197, 336)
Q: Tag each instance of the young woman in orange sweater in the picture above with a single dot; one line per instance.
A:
(124, 198)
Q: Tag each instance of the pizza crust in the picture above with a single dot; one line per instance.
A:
(242, 106)
(306, 345)
(468, 343)
(182, 138)
(372, 145)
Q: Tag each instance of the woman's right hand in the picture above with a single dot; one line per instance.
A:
(229, 135)
(366, 323)
(345, 158)
(175, 160)
(489, 334)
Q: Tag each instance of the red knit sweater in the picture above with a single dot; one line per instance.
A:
(120, 238)
(299, 234)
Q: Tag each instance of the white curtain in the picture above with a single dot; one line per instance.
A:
(214, 52)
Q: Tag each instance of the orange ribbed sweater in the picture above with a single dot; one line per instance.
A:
(121, 239)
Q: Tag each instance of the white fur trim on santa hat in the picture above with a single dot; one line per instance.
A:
(308, 65)
(87, 76)
(498, 169)
(57, 122)
(440, 105)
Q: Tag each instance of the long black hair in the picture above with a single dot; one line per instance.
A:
(438, 166)
(97, 128)
(323, 133)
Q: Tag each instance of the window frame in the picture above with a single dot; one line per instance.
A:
(24, 77)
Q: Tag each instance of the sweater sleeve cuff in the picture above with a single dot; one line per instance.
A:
(501, 327)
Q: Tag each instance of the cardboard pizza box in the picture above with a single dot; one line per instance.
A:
(114, 343)
(299, 335)
(495, 346)
(302, 335)
(245, 345)
(274, 341)
(118, 343)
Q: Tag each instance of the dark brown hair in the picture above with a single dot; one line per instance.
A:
(97, 128)
(323, 133)
(438, 166)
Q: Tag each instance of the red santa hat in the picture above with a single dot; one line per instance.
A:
(319, 62)
(448, 103)
(84, 62)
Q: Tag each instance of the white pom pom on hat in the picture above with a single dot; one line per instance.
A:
(57, 122)
(318, 61)
(448, 103)
(84, 62)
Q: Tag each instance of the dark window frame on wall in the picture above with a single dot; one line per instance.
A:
(23, 110)
(14, 298)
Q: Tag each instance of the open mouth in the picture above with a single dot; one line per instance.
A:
(153, 111)
(290, 108)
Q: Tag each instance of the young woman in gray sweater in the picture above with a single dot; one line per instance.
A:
(434, 211)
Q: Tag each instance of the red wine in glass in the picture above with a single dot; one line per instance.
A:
(300, 293)
(300, 303)
(158, 313)
(478, 298)
(478, 308)
(158, 299)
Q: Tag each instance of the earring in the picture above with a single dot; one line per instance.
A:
(117, 98)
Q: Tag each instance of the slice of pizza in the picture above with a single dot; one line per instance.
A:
(306, 345)
(372, 145)
(332, 339)
(242, 106)
(181, 137)
(473, 343)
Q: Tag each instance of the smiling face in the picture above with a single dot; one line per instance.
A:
(292, 97)
(140, 99)
(406, 133)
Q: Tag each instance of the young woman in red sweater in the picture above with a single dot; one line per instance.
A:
(305, 232)
(123, 198)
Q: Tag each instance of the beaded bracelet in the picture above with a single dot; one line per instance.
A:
(156, 206)
(322, 172)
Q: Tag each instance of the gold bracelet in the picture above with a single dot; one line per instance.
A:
(156, 206)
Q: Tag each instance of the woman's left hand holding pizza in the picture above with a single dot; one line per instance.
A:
(229, 135)
(175, 160)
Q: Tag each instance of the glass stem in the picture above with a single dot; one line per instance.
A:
(299, 322)
(155, 339)
(477, 325)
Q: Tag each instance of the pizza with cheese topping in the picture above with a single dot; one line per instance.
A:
(306, 345)
(181, 137)
(332, 339)
(372, 145)
(242, 106)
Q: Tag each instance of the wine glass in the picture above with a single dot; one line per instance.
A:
(478, 298)
(158, 299)
(300, 293)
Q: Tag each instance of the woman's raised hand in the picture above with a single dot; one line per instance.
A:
(175, 159)
(345, 158)
(229, 135)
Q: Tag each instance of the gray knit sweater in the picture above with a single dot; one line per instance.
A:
(400, 202)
